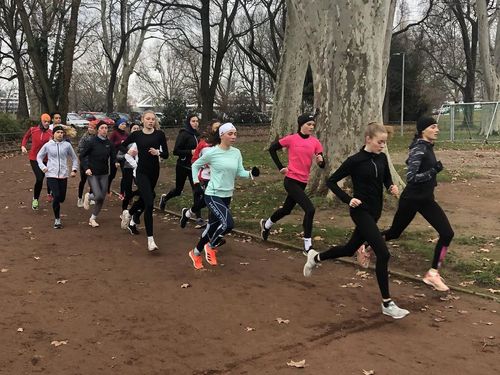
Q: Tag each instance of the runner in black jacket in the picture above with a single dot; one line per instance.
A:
(418, 196)
(369, 172)
(151, 145)
(185, 144)
(95, 158)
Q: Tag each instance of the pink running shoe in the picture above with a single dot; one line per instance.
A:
(435, 281)
(363, 256)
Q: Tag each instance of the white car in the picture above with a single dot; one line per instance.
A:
(76, 120)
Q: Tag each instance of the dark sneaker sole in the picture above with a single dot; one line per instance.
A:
(133, 230)
(184, 219)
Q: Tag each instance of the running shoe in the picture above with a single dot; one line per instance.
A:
(435, 281)
(264, 233)
(133, 229)
(163, 202)
(197, 260)
(394, 311)
(184, 218)
(125, 216)
(93, 223)
(86, 201)
(363, 255)
(305, 252)
(311, 263)
(34, 204)
(152, 245)
(57, 224)
(50, 198)
(210, 255)
(79, 203)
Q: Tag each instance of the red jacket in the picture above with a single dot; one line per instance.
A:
(39, 137)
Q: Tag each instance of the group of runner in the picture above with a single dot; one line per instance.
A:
(211, 163)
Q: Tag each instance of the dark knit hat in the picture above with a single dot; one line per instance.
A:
(425, 122)
(57, 128)
(303, 118)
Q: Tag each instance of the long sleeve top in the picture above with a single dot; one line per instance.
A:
(147, 164)
(39, 136)
(96, 155)
(225, 165)
(421, 173)
(369, 174)
(57, 154)
(185, 143)
(301, 152)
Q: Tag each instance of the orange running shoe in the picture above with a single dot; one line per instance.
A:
(197, 260)
(210, 255)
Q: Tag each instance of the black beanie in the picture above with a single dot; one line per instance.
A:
(425, 122)
(303, 118)
(57, 128)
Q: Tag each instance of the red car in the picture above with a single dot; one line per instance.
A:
(95, 117)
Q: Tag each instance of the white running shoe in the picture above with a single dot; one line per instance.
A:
(393, 310)
(311, 263)
(125, 216)
(93, 223)
(79, 203)
(86, 201)
(436, 281)
(152, 245)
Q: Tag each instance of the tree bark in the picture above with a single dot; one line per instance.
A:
(346, 55)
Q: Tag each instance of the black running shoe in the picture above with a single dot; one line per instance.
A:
(133, 229)
(163, 202)
(264, 233)
(184, 218)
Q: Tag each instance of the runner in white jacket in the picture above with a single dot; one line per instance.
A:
(57, 153)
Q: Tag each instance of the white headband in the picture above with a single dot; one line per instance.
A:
(224, 128)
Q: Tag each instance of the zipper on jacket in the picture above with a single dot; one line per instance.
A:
(376, 169)
(58, 161)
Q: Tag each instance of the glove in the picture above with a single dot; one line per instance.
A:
(255, 172)
(438, 167)
(198, 189)
(322, 164)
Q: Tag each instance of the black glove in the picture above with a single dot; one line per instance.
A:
(322, 163)
(438, 167)
(198, 189)
(255, 172)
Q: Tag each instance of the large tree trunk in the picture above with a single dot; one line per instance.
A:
(347, 59)
(490, 67)
(290, 80)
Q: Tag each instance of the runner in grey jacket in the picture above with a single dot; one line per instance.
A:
(57, 153)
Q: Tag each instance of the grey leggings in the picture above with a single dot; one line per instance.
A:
(99, 185)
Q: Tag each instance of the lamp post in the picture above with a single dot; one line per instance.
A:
(402, 88)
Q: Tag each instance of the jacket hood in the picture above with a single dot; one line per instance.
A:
(418, 141)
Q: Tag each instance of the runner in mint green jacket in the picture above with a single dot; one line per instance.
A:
(226, 164)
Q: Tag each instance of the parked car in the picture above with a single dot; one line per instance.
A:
(76, 121)
(95, 117)
(115, 116)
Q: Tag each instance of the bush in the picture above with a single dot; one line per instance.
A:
(9, 124)
(173, 113)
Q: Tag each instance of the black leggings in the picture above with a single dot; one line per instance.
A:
(435, 216)
(366, 231)
(58, 187)
(112, 174)
(220, 221)
(39, 176)
(81, 185)
(181, 174)
(296, 195)
(126, 186)
(146, 185)
(199, 201)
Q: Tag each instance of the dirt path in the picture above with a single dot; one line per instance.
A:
(122, 311)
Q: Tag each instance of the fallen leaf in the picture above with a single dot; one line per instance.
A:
(438, 319)
(318, 238)
(399, 282)
(494, 291)
(3, 270)
(467, 283)
(299, 364)
(27, 228)
(244, 263)
(433, 240)
(62, 281)
(36, 258)
(483, 250)
(463, 312)
(59, 343)
(20, 329)
(352, 285)
(363, 274)
(186, 285)
(368, 372)
(284, 321)
(249, 329)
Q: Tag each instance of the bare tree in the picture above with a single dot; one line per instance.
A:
(490, 62)
(13, 38)
(50, 29)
